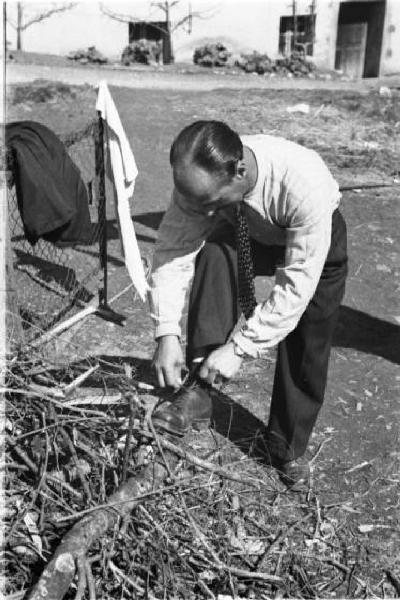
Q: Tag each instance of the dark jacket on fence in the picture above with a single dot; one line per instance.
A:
(52, 198)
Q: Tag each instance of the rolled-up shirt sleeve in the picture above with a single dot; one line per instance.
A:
(181, 236)
(307, 246)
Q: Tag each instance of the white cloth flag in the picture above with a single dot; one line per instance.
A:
(124, 172)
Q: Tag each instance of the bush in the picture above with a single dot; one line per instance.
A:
(211, 55)
(255, 63)
(90, 55)
(259, 63)
(143, 51)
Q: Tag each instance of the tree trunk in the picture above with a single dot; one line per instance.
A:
(19, 26)
(167, 39)
(168, 57)
(294, 7)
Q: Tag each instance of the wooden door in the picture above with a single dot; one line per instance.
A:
(350, 49)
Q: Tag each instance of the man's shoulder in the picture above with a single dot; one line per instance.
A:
(300, 169)
(261, 139)
(276, 146)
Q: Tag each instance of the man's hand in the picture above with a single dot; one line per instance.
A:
(168, 361)
(222, 362)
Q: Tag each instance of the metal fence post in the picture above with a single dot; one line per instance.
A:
(101, 192)
(104, 309)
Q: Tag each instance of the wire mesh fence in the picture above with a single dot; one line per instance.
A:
(49, 281)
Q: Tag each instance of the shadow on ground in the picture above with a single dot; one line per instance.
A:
(367, 334)
(356, 330)
(150, 219)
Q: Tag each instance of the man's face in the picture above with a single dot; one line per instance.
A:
(208, 192)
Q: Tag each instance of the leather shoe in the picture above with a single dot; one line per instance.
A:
(295, 474)
(191, 407)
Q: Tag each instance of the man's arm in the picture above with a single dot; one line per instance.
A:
(295, 284)
(168, 361)
(180, 238)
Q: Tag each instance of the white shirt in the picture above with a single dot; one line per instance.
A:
(290, 205)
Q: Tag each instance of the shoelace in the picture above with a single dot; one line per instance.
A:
(246, 288)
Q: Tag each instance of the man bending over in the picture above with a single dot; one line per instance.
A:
(290, 201)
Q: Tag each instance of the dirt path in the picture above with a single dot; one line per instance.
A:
(183, 79)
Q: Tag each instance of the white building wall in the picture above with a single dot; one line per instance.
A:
(327, 12)
(326, 31)
(390, 56)
(243, 25)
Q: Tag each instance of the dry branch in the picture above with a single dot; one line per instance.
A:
(367, 186)
(89, 310)
(395, 581)
(47, 477)
(60, 571)
(166, 8)
(202, 464)
(96, 399)
(46, 14)
(79, 380)
(122, 575)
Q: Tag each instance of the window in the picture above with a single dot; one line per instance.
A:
(305, 25)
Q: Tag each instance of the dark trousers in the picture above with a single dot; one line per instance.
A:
(303, 356)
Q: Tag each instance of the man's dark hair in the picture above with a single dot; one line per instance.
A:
(212, 145)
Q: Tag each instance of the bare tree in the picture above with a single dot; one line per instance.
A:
(171, 25)
(24, 21)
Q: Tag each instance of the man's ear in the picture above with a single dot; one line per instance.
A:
(241, 169)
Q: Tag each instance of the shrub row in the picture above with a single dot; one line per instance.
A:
(217, 55)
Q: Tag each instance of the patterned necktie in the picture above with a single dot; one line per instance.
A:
(246, 297)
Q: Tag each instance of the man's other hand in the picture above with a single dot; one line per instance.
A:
(168, 361)
(221, 363)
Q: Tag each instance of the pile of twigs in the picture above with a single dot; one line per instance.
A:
(100, 506)
(78, 460)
